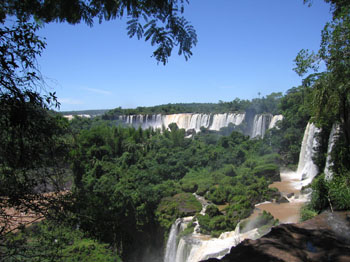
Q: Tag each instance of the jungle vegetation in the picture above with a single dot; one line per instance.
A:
(100, 190)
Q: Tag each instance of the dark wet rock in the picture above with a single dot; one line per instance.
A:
(281, 200)
(306, 190)
(323, 238)
(290, 195)
(276, 195)
(190, 132)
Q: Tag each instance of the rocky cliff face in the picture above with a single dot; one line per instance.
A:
(323, 238)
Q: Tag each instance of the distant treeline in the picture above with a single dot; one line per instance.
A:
(268, 104)
(92, 112)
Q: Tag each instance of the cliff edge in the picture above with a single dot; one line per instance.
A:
(326, 237)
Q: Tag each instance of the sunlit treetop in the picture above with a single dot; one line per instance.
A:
(337, 6)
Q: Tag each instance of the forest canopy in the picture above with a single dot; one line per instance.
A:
(106, 190)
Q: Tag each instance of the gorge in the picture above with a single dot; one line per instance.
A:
(197, 247)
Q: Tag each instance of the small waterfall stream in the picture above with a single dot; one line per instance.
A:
(333, 137)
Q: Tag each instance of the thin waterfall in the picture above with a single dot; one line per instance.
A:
(333, 137)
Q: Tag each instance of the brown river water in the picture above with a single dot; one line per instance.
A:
(284, 212)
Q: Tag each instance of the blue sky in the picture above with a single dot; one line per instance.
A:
(244, 47)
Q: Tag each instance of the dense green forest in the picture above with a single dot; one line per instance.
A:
(266, 104)
(96, 112)
(146, 178)
(103, 192)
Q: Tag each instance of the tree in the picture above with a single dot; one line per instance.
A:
(331, 102)
(332, 87)
(28, 131)
(31, 143)
(336, 5)
(159, 21)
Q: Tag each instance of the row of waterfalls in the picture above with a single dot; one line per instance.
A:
(255, 128)
(196, 247)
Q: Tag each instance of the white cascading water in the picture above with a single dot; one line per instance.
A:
(333, 137)
(307, 170)
(274, 120)
(213, 122)
(170, 252)
(196, 246)
(186, 121)
(223, 120)
(260, 124)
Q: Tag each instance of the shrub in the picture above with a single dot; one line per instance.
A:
(339, 192)
(212, 211)
(307, 213)
(269, 171)
(189, 187)
(319, 196)
(180, 205)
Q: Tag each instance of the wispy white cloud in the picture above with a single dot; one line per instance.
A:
(98, 91)
(70, 101)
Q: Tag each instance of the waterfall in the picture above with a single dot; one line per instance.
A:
(274, 120)
(183, 250)
(260, 125)
(186, 121)
(196, 246)
(175, 252)
(170, 254)
(194, 121)
(307, 170)
(205, 247)
(333, 137)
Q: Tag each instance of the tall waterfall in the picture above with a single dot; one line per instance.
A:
(333, 137)
(260, 125)
(307, 170)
